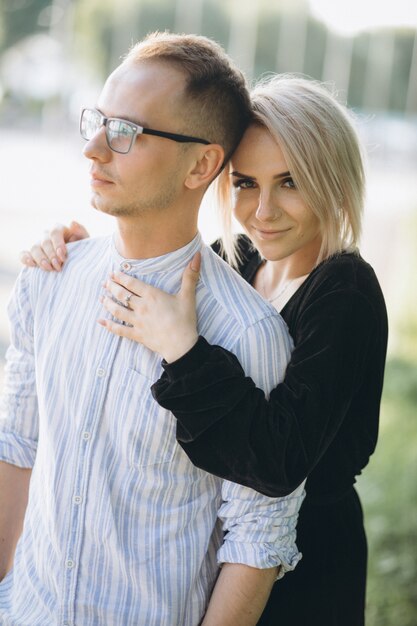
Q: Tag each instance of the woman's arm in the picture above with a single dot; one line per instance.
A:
(227, 426)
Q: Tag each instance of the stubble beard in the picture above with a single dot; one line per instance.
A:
(143, 206)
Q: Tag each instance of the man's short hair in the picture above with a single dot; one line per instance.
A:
(217, 99)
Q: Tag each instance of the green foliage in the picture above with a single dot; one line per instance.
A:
(389, 494)
(388, 487)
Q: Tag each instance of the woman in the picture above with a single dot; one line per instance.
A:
(296, 183)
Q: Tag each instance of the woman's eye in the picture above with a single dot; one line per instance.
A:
(244, 183)
(288, 183)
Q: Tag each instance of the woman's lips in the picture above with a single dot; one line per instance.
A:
(271, 234)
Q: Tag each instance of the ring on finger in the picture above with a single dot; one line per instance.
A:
(127, 300)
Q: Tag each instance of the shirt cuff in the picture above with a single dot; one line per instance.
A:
(189, 362)
(260, 556)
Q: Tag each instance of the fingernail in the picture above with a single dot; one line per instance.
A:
(46, 265)
(56, 264)
(194, 265)
(60, 254)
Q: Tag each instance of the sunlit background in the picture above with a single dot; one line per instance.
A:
(54, 56)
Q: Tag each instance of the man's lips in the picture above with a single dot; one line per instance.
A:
(99, 180)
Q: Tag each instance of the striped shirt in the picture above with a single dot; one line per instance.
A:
(120, 527)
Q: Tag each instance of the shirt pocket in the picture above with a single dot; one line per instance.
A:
(147, 430)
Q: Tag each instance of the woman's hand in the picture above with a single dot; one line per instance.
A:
(51, 253)
(164, 323)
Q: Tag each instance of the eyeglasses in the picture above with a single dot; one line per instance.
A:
(120, 134)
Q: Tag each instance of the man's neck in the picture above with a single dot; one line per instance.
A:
(139, 241)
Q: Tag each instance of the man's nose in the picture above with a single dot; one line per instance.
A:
(96, 147)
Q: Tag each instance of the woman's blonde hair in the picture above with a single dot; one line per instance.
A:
(323, 154)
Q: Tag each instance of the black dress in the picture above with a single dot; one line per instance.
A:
(320, 422)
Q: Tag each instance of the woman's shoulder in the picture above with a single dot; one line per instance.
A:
(345, 269)
(347, 275)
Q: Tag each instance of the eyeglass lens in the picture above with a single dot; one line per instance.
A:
(119, 134)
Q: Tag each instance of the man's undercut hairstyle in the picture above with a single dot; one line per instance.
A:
(217, 103)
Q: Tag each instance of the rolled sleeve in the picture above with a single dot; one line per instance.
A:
(19, 405)
(260, 531)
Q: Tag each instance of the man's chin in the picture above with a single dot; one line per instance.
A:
(107, 209)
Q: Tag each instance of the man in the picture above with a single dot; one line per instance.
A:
(119, 527)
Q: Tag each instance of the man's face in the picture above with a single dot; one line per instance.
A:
(150, 177)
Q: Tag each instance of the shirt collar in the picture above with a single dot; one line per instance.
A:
(177, 258)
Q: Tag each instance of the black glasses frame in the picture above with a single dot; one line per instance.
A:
(137, 130)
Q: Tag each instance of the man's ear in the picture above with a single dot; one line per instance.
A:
(206, 166)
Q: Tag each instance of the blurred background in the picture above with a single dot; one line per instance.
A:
(54, 55)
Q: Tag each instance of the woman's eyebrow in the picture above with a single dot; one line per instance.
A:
(239, 175)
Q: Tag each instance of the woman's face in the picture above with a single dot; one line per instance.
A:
(267, 203)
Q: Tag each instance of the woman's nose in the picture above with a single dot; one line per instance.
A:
(267, 210)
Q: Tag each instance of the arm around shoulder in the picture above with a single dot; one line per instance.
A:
(228, 427)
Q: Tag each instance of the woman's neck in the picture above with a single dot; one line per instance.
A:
(277, 281)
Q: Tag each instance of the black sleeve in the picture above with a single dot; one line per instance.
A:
(226, 425)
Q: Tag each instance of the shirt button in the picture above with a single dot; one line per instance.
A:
(78, 499)
(86, 436)
(70, 564)
(101, 372)
(125, 266)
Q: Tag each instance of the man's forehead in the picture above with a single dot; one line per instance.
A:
(138, 87)
(153, 76)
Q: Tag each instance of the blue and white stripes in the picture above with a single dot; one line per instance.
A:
(121, 528)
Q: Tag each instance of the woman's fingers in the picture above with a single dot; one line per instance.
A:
(26, 258)
(134, 285)
(165, 323)
(191, 277)
(76, 232)
(47, 252)
(120, 312)
(56, 238)
(117, 329)
(51, 253)
(121, 294)
(38, 257)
